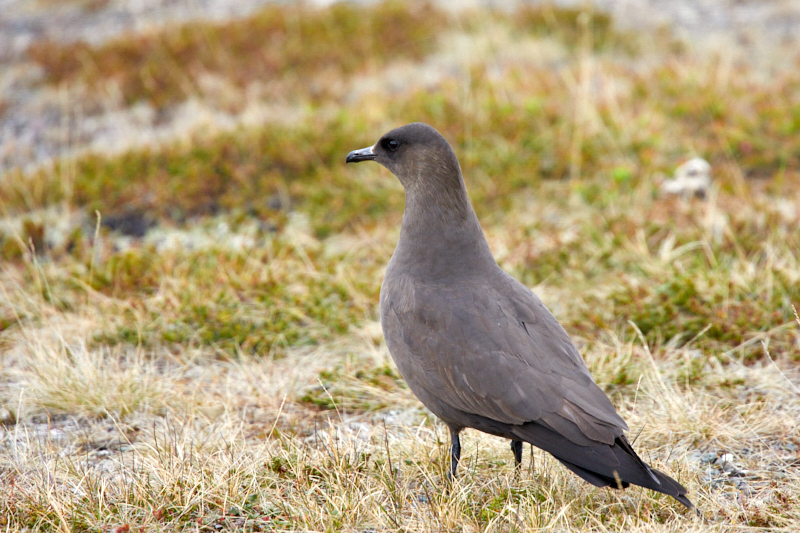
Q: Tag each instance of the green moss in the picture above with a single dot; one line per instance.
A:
(259, 313)
(11, 249)
(716, 317)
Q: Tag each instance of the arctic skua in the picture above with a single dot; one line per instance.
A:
(475, 345)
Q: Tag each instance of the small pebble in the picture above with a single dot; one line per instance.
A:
(708, 457)
(743, 486)
(724, 459)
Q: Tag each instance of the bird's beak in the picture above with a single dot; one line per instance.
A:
(365, 154)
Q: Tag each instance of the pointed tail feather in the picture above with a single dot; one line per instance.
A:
(603, 465)
(667, 485)
(672, 488)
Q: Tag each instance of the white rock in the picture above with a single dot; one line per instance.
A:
(691, 178)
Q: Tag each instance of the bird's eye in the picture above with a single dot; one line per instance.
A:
(392, 145)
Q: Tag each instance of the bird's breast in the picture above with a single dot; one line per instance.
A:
(398, 292)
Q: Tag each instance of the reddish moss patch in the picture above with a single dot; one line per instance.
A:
(299, 49)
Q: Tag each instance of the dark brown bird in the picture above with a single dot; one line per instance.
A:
(477, 347)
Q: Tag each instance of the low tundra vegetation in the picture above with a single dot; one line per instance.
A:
(189, 332)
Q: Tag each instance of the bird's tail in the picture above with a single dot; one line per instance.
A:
(603, 465)
(661, 482)
(672, 488)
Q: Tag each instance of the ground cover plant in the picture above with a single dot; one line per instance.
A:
(295, 50)
(189, 332)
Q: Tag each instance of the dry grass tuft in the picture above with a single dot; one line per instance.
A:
(90, 383)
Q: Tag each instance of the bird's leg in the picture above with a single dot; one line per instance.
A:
(516, 447)
(455, 454)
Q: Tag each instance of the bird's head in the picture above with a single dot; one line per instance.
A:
(416, 153)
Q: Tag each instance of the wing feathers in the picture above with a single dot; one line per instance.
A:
(505, 358)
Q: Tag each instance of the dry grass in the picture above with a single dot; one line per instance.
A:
(236, 443)
(207, 356)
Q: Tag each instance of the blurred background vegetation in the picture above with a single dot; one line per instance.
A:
(549, 108)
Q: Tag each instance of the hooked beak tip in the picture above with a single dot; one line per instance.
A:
(365, 154)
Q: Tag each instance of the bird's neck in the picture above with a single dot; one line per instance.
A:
(441, 236)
